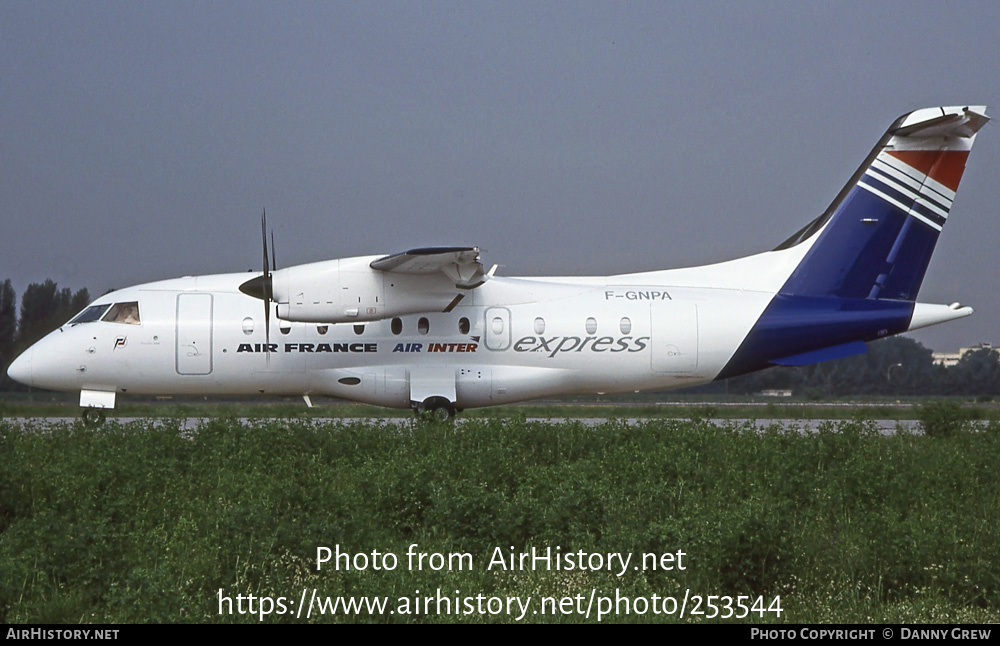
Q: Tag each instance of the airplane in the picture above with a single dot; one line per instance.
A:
(431, 330)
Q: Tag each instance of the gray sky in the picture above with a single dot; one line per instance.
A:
(140, 140)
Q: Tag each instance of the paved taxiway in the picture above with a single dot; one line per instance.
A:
(884, 426)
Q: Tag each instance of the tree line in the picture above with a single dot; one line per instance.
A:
(897, 366)
(894, 367)
(44, 307)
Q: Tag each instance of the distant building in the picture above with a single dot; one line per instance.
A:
(949, 359)
(775, 392)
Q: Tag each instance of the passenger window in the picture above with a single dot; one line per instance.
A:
(423, 325)
(396, 326)
(248, 326)
(359, 329)
(626, 325)
(463, 325)
(284, 327)
(127, 313)
(539, 325)
(322, 329)
(591, 325)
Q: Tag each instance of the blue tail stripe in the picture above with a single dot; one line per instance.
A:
(849, 349)
(797, 325)
(930, 215)
(903, 198)
(925, 192)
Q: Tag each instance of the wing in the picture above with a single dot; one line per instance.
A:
(460, 264)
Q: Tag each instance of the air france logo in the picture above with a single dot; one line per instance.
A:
(310, 348)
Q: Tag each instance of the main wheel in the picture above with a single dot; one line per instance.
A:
(438, 409)
(442, 413)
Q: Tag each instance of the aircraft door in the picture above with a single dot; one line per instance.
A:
(497, 328)
(674, 336)
(194, 334)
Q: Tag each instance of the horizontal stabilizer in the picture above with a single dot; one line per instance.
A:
(925, 314)
(824, 354)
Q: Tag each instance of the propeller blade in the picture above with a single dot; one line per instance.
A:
(263, 239)
(266, 285)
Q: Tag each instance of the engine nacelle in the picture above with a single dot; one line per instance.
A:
(349, 290)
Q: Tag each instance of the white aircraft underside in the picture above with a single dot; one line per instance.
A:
(430, 329)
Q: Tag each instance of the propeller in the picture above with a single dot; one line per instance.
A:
(262, 286)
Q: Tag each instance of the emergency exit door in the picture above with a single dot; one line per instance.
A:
(498, 328)
(194, 334)
(674, 337)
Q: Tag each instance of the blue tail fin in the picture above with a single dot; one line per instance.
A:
(868, 253)
(876, 239)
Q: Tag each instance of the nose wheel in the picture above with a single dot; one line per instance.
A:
(92, 416)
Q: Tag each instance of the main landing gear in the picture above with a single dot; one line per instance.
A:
(437, 409)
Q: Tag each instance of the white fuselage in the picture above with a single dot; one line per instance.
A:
(526, 338)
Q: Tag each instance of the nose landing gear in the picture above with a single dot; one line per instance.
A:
(94, 403)
(92, 416)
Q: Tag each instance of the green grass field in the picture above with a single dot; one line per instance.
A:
(143, 522)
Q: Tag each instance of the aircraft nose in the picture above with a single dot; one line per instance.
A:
(20, 369)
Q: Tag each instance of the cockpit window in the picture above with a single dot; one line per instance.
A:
(92, 313)
(127, 313)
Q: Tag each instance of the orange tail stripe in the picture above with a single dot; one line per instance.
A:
(944, 166)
